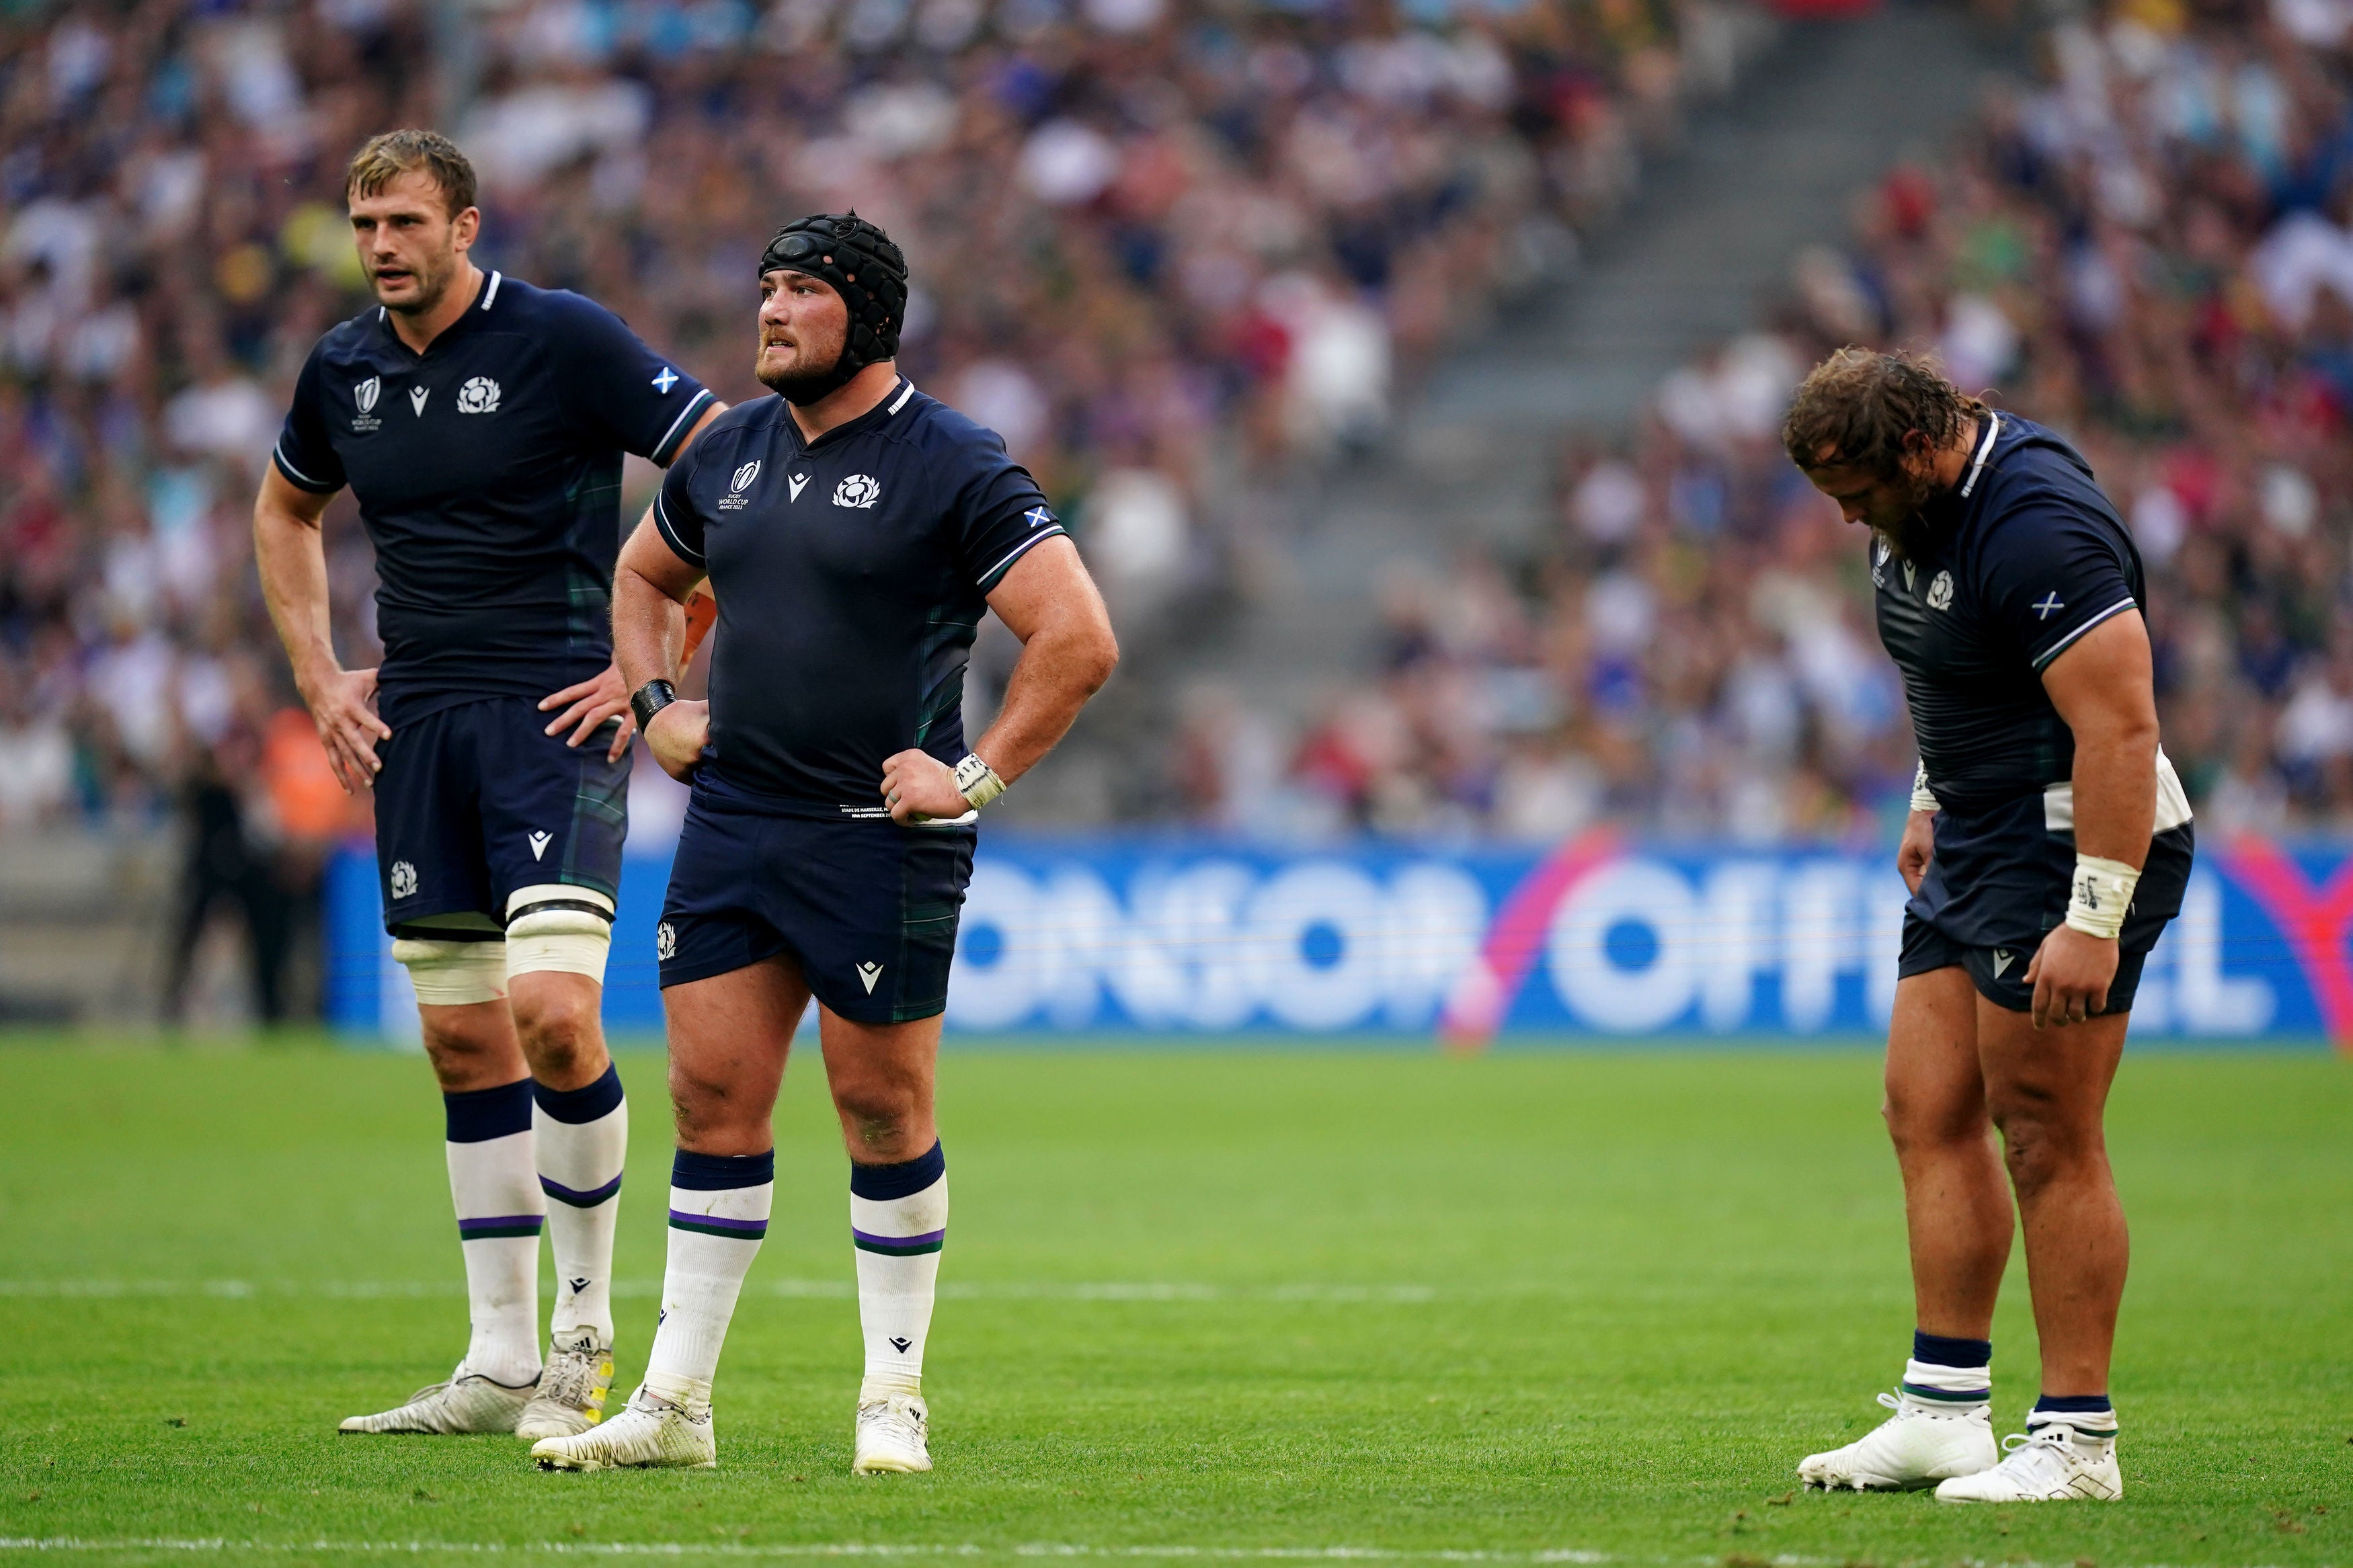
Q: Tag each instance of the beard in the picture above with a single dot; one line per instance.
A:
(1908, 537)
(802, 384)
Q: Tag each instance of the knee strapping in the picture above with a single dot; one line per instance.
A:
(565, 929)
(453, 973)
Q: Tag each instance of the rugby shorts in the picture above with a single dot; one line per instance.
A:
(1998, 882)
(866, 908)
(477, 801)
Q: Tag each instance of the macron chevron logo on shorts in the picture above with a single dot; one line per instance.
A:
(870, 974)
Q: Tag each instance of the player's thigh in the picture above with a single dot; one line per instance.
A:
(429, 831)
(730, 1035)
(871, 908)
(553, 816)
(2050, 1084)
(1935, 1091)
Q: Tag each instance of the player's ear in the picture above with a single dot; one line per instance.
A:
(464, 227)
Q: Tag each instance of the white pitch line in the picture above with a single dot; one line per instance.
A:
(807, 1549)
(824, 1290)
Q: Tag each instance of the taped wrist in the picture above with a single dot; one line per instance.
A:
(2099, 896)
(1923, 797)
(976, 781)
(560, 928)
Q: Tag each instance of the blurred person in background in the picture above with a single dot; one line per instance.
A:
(2049, 844)
(481, 422)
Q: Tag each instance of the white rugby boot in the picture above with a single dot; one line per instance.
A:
(648, 1433)
(1922, 1444)
(573, 1385)
(468, 1402)
(2050, 1464)
(891, 1432)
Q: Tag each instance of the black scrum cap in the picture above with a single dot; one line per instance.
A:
(870, 273)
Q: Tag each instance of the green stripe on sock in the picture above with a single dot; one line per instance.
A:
(1947, 1396)
(677, 1222)
(912, 1249)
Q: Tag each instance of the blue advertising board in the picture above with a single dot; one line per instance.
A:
(1134, 935)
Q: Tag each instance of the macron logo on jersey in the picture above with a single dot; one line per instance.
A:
(798, 483)
(417, 395)
(665, 381)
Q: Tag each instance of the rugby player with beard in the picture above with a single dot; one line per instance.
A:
(2048, 844)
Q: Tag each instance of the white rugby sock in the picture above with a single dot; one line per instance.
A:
(1948, 1374)
(718, 1216)
(898, 1222)
(500, 1214)
(582, 1135)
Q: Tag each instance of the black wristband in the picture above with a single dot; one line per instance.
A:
(649, 700)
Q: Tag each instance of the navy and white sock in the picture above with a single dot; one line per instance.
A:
(1950, 1374)
(583, 1136)
(898, 1222)
(2089, 1415)
(495, 1188)
(718, 1217)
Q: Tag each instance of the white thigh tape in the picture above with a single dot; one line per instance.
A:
(568, 941)
(453, 973)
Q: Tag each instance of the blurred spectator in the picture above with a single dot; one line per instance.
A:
(2150, 250)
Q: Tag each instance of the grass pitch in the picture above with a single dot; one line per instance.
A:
(1225, 1305)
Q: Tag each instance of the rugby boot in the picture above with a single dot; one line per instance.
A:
(1922, 1444)
(572, 1387)
(2048, 1463)
(467, 1403)
(892, 1433)
(648, 1433)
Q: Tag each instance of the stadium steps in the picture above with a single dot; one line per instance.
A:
(1770, 170)
(83, 915)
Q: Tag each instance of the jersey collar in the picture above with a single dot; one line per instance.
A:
(457, 329)
(1985, 450)
(882, 412)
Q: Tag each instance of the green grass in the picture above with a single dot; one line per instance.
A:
(1214, 1302)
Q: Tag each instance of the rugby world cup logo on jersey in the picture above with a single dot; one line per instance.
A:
(739, 487)
(479, 396)
(857, 490)
(363, 396)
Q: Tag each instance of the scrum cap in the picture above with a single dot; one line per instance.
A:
(858, 259)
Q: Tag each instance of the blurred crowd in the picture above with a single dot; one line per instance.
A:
(1163, 246)
(2151, 249)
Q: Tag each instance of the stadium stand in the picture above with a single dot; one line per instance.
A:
(2150, 249)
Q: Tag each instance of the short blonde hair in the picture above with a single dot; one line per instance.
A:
(397, 153)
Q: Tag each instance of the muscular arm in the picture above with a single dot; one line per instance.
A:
(649, 584)
(1067, 652)
(291, 556)
(2105, 689)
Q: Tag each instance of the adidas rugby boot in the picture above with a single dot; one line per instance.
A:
(467, 1403)
(648, 1433)
(2048, 1463)
(891, 1431)
(573, 1387)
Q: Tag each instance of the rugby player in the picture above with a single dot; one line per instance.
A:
(2048, 844)
(854, 531)
(481, 422)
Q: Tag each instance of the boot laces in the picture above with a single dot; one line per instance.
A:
(570, 1376)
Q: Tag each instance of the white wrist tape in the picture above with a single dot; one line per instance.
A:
(2099, 896)
(976, 781)
(1923, 797)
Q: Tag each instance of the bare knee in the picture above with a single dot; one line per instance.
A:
(879, 1119)
(1919, 1124)
(557, 1026)
(714, 1113)
(2042, 1142)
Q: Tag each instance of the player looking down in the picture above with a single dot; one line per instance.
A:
(854, 531)
(2048, 844)
(481, 422)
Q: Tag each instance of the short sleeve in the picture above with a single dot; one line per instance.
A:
(620, 389)
(1002, 514)
(304, 454)
(2051, 573)
(674, 510)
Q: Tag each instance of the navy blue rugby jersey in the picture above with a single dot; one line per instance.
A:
(851, 572)
(2024, 558)
(488, 470)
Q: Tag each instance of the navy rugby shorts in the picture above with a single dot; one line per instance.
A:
(477, 801)
(1997, 883)
(866, 908)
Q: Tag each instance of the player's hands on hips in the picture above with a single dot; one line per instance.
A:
(592, 702)
(917, 786)
(1919, 843)
(343, 704)
(677, 737)
(2071, 973)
